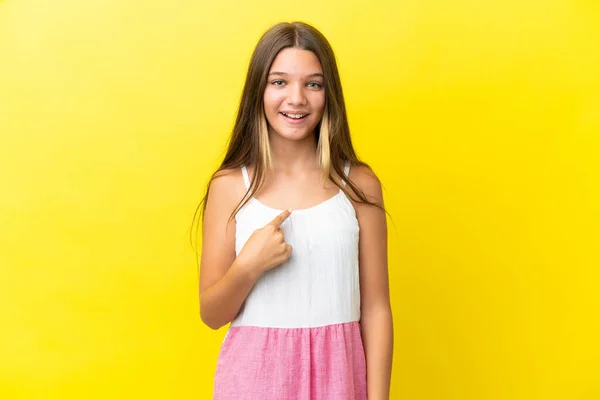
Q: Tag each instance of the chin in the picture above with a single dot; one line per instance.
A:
(293, 135)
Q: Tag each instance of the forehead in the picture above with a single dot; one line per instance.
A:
(294, 61)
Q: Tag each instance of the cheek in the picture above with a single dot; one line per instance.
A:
(318, 102)
(271, 100)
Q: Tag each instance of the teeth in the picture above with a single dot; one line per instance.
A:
(296, 116)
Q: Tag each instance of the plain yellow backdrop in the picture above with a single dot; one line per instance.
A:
(482, 119)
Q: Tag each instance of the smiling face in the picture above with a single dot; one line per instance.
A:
(294, 98)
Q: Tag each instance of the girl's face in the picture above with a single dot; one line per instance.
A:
(294, 98)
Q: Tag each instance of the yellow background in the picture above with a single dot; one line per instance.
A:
(482, 119)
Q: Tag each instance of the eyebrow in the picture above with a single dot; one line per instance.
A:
(316, 74)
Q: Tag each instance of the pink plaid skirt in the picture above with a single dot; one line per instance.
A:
(323, 363)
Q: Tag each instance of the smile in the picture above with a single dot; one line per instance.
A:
(294, 116)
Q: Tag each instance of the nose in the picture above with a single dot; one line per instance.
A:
(296, 94)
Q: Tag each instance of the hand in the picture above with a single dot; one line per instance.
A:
(266, 248)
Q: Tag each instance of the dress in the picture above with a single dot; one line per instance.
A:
(297, 336)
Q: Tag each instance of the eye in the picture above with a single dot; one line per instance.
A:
(315, 85)
(278, 82)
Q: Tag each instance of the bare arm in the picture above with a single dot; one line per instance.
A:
(226, 280)
(224, 284)
(376, 314)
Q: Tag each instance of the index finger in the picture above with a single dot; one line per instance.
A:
(278, 220)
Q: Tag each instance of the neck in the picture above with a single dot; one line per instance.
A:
(293, 155)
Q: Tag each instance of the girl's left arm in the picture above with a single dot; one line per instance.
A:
(376, 314)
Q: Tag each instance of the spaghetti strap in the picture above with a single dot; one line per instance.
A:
(245, 175)
(346, 171)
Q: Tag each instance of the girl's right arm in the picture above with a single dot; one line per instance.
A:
(226, 280)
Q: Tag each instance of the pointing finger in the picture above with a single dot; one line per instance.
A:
(278, 220)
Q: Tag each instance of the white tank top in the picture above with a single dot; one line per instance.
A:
(319, 284)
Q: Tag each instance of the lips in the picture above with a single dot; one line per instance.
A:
(294, 119)
(294, 115)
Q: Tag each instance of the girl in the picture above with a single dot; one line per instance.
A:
(294, 250)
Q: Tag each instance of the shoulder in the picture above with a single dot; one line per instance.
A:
(226, 179)
(367, 182)
(227, 187)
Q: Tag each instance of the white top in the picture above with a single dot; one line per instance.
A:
(319, 284)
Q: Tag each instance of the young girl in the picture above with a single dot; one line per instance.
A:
(294, 250)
